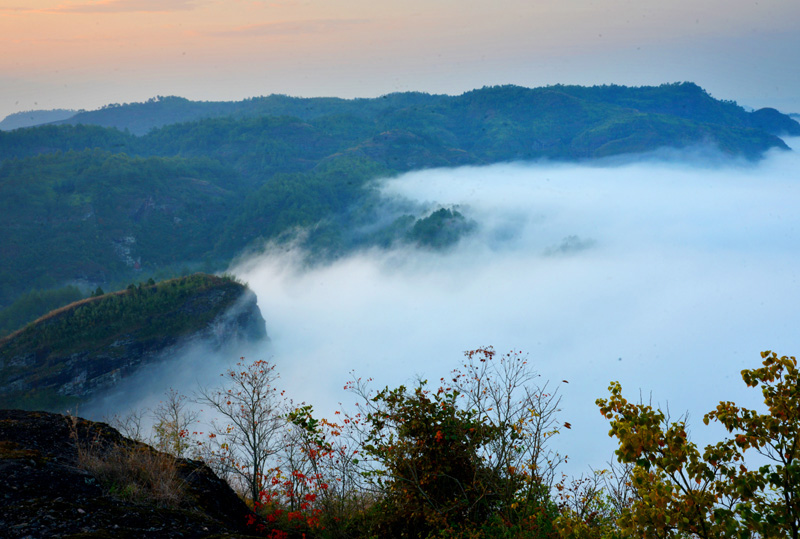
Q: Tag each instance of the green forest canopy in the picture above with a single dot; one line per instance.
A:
(170, 185)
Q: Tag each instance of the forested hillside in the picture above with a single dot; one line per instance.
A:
(172, 186)
(74, 352)
(90, 216)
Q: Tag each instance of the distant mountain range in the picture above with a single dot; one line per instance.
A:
(170, 185)
(686, 100)
(33, 118)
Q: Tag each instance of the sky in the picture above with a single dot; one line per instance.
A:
(83, 54)
(669, 273)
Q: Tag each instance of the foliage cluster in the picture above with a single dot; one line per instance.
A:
(467, 459)
(470, 459)
(469, 455)
(723, 490)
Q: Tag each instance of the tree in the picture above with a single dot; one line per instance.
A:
(172, 424)
(674, 485)
(503, 392)
(252, 413)
(771, 494)
(683, 492)
(328, 454)
(433, 476)
(467, 455)
(590, 505)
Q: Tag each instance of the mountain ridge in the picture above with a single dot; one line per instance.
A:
(204, 182)
(74, 353)
(141, 117)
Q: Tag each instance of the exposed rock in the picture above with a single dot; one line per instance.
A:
(46, 493)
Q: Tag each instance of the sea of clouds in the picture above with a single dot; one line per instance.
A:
(668, 272)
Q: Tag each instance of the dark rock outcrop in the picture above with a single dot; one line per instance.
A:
(46, 492)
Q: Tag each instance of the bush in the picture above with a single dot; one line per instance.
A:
(467, 459)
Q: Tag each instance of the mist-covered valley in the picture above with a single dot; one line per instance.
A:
(227, 227)
(657, 249)
(669, 272)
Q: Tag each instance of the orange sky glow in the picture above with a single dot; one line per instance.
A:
(87, 53)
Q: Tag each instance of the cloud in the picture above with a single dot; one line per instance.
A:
(300, 27)
(670, 277)
(186, 369)
(669, 273)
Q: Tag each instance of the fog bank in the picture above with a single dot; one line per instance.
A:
(669, 277)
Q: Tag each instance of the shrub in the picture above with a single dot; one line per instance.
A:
(467, 459)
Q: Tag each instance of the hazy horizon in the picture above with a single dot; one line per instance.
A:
(83, 54)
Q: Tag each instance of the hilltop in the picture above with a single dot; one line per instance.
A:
(86, 347)
(683, 100)
(35, 117)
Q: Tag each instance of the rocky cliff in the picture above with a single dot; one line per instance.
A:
(61, 477)
(74, 353)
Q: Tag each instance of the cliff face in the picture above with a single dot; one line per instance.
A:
(50, 491)
(91, 372)
(75, 353)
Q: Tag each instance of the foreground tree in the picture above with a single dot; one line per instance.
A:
(590, 505)
(468, 456)
(251, 422)
(770, 494)
(682, 492)
(502, 391)
(173, 421)
(329, 458)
